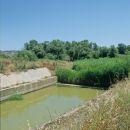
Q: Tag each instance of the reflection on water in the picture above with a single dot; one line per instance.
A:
(41, 106)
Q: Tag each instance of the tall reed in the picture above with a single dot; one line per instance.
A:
(95, 72)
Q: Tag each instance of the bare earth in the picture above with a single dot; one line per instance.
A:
(31, 75)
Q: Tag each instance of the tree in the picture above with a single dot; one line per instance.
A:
(25, 55)
(30, 45)
(39, 51)
(121, 48)
(95, 54)
(72, 51)
(128, 47)
(65, 57)
(103, 52)
(95, 46)
(56, 48)
(113, 51)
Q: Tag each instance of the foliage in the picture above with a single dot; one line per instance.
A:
(15, 97)
(113, 51)
(65, 57)
(2, 55)
(1, 67)
(104, 52)
(128, 47)
(122, 48)
(65, 50)
(56, 50)
(95, 72)
(25, 55)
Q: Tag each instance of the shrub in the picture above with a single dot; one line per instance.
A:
(3, 55)
(50, 56)
(65, 57)
(25, 55)
(1, 67)
(96, 72)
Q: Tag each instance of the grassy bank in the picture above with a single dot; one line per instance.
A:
(8, 65)
(112, 113)
(96, 72)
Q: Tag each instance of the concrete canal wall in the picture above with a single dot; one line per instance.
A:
(26, 87)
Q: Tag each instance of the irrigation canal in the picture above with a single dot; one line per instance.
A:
(42, 105)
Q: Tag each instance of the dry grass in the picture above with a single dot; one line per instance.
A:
(9, 65)
(112, 113)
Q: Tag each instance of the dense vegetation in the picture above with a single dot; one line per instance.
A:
(96, 72)
(74, 50)
(50, 54)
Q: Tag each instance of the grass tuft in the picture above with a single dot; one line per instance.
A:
(15, 97)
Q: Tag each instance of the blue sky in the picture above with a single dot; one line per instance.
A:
(105, 22)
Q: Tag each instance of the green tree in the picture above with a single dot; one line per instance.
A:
(39, 51)
(95, 54)
(95, 46)
(30, 45)
(103, 52)
(72, 51)
(128, 47)
(121, 48)
(113, 51)
(56, 48)
(25, 55)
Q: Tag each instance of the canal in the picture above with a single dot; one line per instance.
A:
(42, 105)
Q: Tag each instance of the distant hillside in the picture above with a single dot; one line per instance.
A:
(9, 52)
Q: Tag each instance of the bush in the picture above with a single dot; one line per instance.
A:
(2, 55)
(65, 57)
(25, 55)
(21, 65)
(1, 67)
(95, 72)
(50, 56)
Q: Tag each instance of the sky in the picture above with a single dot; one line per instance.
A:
(105, 22)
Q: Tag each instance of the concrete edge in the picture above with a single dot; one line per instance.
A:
(27, 87)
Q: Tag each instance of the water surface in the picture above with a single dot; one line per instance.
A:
(42, 105)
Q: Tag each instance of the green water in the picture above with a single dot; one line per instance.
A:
(41, 106)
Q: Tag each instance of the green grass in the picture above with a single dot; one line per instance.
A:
(96, 72)
(15, 97)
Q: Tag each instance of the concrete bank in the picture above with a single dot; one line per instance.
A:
(26, 87)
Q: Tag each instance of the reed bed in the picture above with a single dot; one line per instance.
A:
(95, 72)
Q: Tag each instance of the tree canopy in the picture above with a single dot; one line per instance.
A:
(75, 50)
